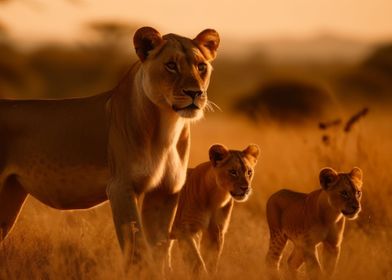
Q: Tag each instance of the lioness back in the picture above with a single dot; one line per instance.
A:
(56, 143)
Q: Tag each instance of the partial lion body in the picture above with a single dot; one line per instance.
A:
(206, 202)
(312, 219)
(132, 140)
(56, 149)
(202, 219)
(284, 208)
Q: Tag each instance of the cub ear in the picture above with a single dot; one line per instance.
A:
(145, 40)
(328, 177)
(208, 42)
(253, 151)
(217, 153)
(356, 173)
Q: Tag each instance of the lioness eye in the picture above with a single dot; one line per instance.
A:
(233, 172)
(202, 67)
(250, 173)
(359, 193)
(171, 66)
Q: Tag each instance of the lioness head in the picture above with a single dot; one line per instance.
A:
(176, 70)
(234, 169)
(344, 190)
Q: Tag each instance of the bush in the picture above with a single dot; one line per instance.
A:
(286, 101)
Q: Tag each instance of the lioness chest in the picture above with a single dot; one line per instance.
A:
(166, 169)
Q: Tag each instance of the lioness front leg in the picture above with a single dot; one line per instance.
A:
(158, 211)
(124, 204)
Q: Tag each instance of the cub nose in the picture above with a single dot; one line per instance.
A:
(355, 207)
(244, 188)
(192, 93)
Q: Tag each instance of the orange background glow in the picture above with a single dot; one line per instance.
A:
(246, 19)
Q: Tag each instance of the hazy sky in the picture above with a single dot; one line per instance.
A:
(241, 19)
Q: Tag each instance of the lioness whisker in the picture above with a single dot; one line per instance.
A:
(209, 107)
(212, 105)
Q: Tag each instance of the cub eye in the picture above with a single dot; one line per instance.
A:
(344, 194)
(233, 172)
(359, 193)
(171, 66)
(202, 67)
(250, 172)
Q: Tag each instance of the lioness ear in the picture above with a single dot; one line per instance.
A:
(217, 153)
(208, 42)
(328, 177)
(253, 151)
(144, 40)
(356, 173)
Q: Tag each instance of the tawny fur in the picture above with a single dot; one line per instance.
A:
(206, 202)
(134, 139)
(312, 219)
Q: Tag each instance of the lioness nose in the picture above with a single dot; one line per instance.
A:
(244, 188)
(192, 93)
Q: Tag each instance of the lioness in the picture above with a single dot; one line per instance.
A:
(132, 140)
(314, 218)
(206, 202)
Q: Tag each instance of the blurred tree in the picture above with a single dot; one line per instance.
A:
(380, 60)
(287, 101)
(371, 79)
(111, 31)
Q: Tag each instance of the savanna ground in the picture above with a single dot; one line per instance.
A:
(51, 244)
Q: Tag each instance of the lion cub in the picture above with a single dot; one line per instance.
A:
(206, 202)
(314, 218)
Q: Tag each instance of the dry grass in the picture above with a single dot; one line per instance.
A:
(50, 244)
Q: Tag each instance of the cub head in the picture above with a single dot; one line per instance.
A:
(234, 169)
(176, 70)
(344, 190)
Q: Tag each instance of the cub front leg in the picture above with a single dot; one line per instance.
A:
(313, 267)
(190, 250)
(126, 217)
(295, 261)
(330, 258)
(331, 248)
(213, 239)
(212, 245)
